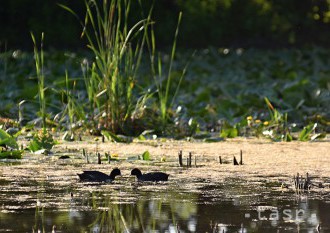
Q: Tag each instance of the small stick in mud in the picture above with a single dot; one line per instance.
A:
(195, 161)
(220, 160)
(103, 138)
(87, 161)
(108, 157)
(301, 182)
(297, 182)
(235, 161)
(99, 158)
(190, 157)
(84, 152)
(241, 159)
(308, 182)
(180, 158)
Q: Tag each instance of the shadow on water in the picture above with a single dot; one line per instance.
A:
(28, 205)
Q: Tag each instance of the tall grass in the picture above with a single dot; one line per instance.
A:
(39, 64)
(164, 82)
(91, 84)
(73, 109)
(116, 60)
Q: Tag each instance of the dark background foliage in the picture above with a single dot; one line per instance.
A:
(235, 23)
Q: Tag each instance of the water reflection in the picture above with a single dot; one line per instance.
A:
(41, 206)
(162, 212)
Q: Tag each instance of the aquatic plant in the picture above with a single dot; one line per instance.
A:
(9, 147)
(117, 60)
(39, 65)
(222, 88)
(42, 139)
(164, 85)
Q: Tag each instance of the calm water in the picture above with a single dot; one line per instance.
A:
(28, 205)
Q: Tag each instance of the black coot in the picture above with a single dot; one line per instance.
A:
(152, 176)
(96, 176)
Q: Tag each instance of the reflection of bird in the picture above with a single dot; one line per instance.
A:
(152, 176)
(235, 161)
(96, 176)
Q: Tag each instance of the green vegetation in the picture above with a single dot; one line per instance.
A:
(120, 88)
(42, 140)
(221, 89)
(9, 147)
(39, 61)
(165, 102)
(111, 81)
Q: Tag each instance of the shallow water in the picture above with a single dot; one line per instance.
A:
(65, 205)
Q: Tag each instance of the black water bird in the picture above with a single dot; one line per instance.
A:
(152, 176)
(96, 176)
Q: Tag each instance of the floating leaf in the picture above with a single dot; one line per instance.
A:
(229, 133)
(146, 156)
(141, 137)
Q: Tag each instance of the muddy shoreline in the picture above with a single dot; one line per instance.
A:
(262, 159)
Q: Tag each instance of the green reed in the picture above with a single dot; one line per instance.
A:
(39, 64)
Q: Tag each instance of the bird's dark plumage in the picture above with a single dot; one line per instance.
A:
(152, 176)
(96, 176)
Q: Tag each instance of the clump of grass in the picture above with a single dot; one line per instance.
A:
(116, 60)
(73, 111)
(278, 129)
(277, 126)
(91, 84)
(164, 92)
(43, 139)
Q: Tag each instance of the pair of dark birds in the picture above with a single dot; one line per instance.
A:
(96, 176)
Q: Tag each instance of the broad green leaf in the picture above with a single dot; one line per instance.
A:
(7, 140)
(146, 156)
